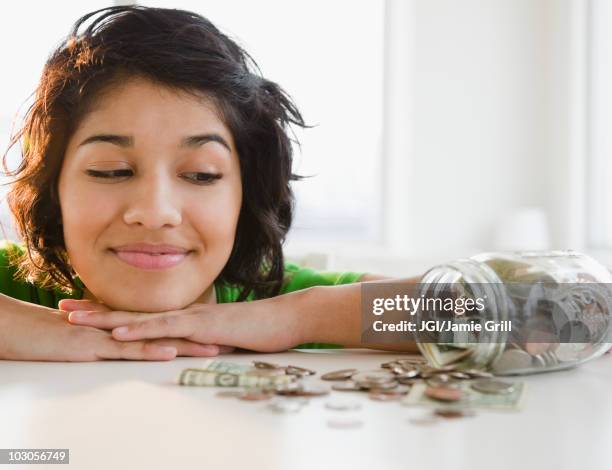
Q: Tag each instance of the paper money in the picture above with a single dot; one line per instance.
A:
(470, 398)
(215, 365)
(207, 378)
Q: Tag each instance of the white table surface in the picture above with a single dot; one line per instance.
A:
(128, 415)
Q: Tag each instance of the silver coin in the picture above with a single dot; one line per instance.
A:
(379, 385)
(571, 352)
(477, 373)
(346, 387)
(373, 376)
(575, 331)
(343, 374)
(409, 374)
(512, 360)
(299, 371)
(493, 386)
(460, 375)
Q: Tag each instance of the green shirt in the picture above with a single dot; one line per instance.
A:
(296, 278)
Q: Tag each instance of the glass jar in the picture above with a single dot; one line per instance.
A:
(541, 311)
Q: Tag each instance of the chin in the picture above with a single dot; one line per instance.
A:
(146, 305)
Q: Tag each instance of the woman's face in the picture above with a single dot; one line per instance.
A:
(150, 166)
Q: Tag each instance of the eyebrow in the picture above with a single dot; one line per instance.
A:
(192, 141)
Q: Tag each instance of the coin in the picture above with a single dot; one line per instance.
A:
(415, 360)
(373, 376)
(451, 413)
(444, 393)
(570, 352)
(343, 374)
(460, 375)
(386, 395)
(409, 374)
(266, 365)
(312, 391)
(346, 387)
(575, 331)
(379, 385)
(288, 388)
(441, 380)
(492, 386)
(406, 381)
(397, 370)
(299, 371)
(512, 360)
(302, 391)
(477, 373)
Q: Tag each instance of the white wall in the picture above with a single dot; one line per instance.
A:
(493, 121)
(490, 118)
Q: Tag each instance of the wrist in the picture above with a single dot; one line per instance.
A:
(328, 314)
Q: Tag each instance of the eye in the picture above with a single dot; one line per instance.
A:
(109, 174)
(195, 177)
(202, 178)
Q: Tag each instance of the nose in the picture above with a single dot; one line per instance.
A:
(152, 203)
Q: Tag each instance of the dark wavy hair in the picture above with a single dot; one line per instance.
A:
(184, 51)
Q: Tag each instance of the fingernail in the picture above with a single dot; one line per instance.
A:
(168, 350)
(79, 315)
(124, 329)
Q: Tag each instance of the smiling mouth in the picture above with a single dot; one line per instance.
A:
(151, 261)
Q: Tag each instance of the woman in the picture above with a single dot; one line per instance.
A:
(154, 194)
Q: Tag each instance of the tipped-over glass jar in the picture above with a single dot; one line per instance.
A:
(531, 312)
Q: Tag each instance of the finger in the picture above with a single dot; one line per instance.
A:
(189, 348)
(136, 351)
(76, 304)
(106, 320)
(226, 349)
(178, 326)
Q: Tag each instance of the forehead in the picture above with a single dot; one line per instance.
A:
(139, 105)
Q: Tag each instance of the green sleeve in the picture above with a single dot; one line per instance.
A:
(22, 290)
(297, 278)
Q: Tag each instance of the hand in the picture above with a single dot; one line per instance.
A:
(70, 305)
(263, 325)
(36, 333)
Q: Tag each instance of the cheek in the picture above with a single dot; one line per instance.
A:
(216, 218)
(84, 214)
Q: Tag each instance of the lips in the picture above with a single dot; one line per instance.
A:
(151, 257)
(151, 248)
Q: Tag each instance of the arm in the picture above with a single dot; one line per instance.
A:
(316, 314)
(30, 332)
(316, 305)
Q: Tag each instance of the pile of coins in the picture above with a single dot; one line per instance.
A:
(391, 382)
(401, 372)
